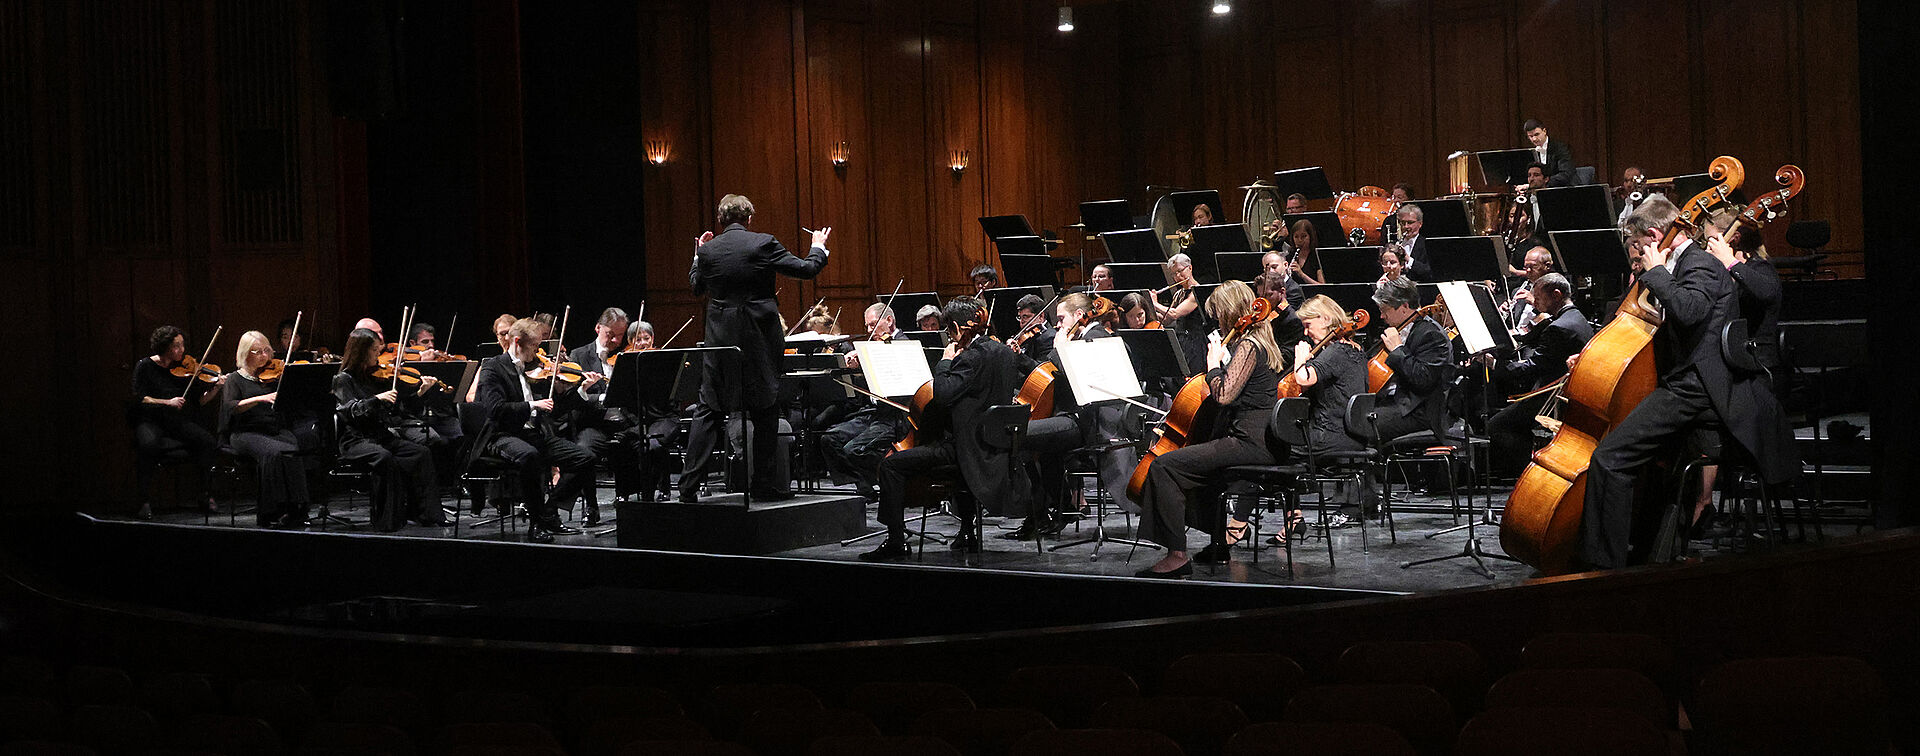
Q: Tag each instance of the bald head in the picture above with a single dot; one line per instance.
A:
(372, 325)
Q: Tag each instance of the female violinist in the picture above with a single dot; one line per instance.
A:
(640, 336)
(374, 433)
(164, 383)
(1242, 376)
(1328, 379)
(254, 429)
(1133, 311)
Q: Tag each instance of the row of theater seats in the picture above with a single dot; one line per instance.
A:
(1572, 694)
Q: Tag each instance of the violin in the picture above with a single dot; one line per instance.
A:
(1541, 525)
(200, 371)
(1103, 312)
(272, 371)
(1290, 385)
(403, 375)
(546, 368)
(1377, 371)
(1194, 409)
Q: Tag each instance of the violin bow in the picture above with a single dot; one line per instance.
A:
(559, 347)
(804, 315)
(676, 334)
(448, 336)
(294, 337)
(203, 361)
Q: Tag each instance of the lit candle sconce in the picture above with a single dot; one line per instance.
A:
(957, 160)
(839, 154)
(658, 150)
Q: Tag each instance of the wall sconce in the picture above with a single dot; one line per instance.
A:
(1066, 19)
(658, 150)
(1222, 7)
(839, 153)
(957, 160)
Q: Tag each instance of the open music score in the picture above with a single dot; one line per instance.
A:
(1473, 313)
(893, 369)
(1099, 369)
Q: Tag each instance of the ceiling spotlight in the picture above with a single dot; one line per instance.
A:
(1222, 7)
(1066, 18)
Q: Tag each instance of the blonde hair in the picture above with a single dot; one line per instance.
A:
(1323, 306)
(528, 328)
(247, 341)
(1076, 302)
(1231, 301)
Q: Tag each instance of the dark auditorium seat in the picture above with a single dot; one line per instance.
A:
(1095, 743)
(113, 729)
(790, 732)
(1621, 689)
(178, 695)
(471, 735)
(881, 745)
(1417, 712)
(1200, 724)
(728, 707)
(370, 705)
(608, 736)
(894, 706)
(981, 732)
(494, 706)
(98, 685)
(287, 706)
(357, 737)
(228, 735)
(1815, 704)
(1562, 732)
(1068, 694)
(685, 748)
(591, 704)
(28, 718)
(1452, 668)
(1319, 739)
(1259, 683)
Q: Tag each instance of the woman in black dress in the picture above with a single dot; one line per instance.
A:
(254, 429)
(1328, 380)
(162, 418)
(1244, 378)
(376, 432)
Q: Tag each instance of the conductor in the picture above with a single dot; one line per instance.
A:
(735, 270)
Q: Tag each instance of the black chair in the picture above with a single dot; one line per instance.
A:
(1287, 437)
(1004, 428)
(478, 467)
(1077, 475)
(353, 476)
(1808, 238)
(1422, 447)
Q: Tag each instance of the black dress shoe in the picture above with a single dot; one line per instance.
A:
(1176, 573)
(688, 497)
(539, 535)
(965, 543)
(593, 520)
(479, 505)
(891, 550)
(1214, 553)
(556, 528)
(143, 512)
(1033, 528)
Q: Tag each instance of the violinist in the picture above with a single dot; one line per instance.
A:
(854, 446)
(437, 407)
(1242, 376)
(502, 335)
(1287, 327)
(420, 337)
(1275, 264)
(523, 419)
(973, 375)
(984, 277)
(162, 420)
(1698, 393)
(1561, 331)
(378, 431)
(1035, 340)
(605, 431)
(1050, 439)
(656, 428)
(1328, 380)
(1133, 311)
(928, 319)
(640, 336)
(253, 429)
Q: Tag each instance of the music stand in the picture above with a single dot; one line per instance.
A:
(1327, 230)
(998, 227)
(1307, 182)
(1184, 202)
(927, 339)
(1004, 303)
(1504, 168)
(1475, 317)
(1021, 245)
(1567, 208)
(934, 355)
(1350, 265)
(1211, 240)
(1350, 297)
(907, 305)
(1592, 253)
(458, 375)
(487, 349)
(1688, 185)
(1444, 217)
(1238, 266)
(1429, 293)
(1028, 271)
(1139, 245)
(1466, 258)
(1155, 353)
(1104, 216)
(307, 389)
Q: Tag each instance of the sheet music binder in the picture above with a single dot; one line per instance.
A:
(1104, 216)
(1504, 168)
(1569, 208)
(1139, 245)
(1307, 182)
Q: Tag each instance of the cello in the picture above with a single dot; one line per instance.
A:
(1037, 391)
(1540, 525)
(1377, 371)
(963, 335)
(1194, 411)
(1290, 386)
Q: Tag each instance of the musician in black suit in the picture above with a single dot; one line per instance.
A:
(1071, 427)
(1699, 395)
(1274, 265)
(855, 446)
(1557, 158)
(1419, 266)
(1421, 358)
(1558, 332)
(522, 412)
(736, 271)
(973, 375)
(607, 432)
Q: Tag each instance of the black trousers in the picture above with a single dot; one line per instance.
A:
(154, 437)
(1661, 421)
(1050, 439)
(703, 439)
(1510, 432)
(619, 445)
(856, 445)
(1177, 475)
(531, 451)
(404, 483)
(283, 477)
(903, 476)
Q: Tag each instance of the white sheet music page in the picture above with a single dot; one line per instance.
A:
(894, 369)
(1474, 333)
(1099, 370)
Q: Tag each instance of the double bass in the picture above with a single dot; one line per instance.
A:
(1541, 523)
(1194, 411)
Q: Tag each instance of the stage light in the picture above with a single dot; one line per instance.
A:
(1222, 7)
(957, 162)
(1066, 18)
(658, 150)
(839, 154)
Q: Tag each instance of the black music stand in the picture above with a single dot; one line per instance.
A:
(1004, 303)
(1429, 293)
(1184, 202)
(998, 227)
(457, 375)
(1030, 271)
(1212, 240)
(1466, 258)
(934, 355)
(1116, 295)
(1590, 253)
(1350, 297)
(1021, 245)
(1103, 216)
(1688, 185)
(906, 306)
(1327, 230)
(1444, 217)
(1566, 208)
(927, 339)
(1306, 182)
(1155, 354)
(487, 349)
(1350, 265)
(1504, 168)
(307, 389)
(1238, 266)
(1139, 245)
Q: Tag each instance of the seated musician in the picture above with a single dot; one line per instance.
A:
(254, 430)
(503, 335)
(1036, 345)
(1133, 310)
(1401, 194)
(1537, 176)
(855, 446)
(163, 420)
(1296, 204)
(437, 410)
(1101, 279)
(1051, 439)
(1421, 358)
(928, 319)
(1243, 377)
(1306, 251)
(1624, 192)
(1275, 264)
(657, 428)
(420, 336)
(1522, 237)
(1393, 262)
(1182, 314)
(1328, 380)
(1558, 332)
(372, 325)
(974, 374)
(984, 277)
(1418, 265)
(606, 432)
(523, 430)
(1520, 310)
(378, 431)
(1698, 392)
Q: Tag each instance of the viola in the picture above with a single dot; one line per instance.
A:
(1377, 371)
(1103, 312)
(1290, 386)
(1194, 411)
(1541, 524)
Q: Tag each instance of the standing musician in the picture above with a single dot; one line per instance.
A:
(606, 432)
(973, 375)
(1275, 264)
(1421, 358)
(856, 445)
(1697, 392)
(1555, 159)
(1243, 377)
(377, 432)
(254, 430)
(523, 433)
(162, 421)
(1418, 265)
(736, 271)
(1558, 331)
(1183, 313)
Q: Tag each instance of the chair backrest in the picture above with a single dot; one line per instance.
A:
(1200, 724)
(1584, 175)
(773, 732)
(1417, 712)
(1289, 422)
(1622, 689)
(1004, 426)
(1361, 419)
(1095, 743)
(1818, 704)
(981, 731)
(894, 706)
(608, 736)
(1573, 732)
(1809, 235)
(1068, 694)
(1450, 667)
(1319, 739)
(1259, 683)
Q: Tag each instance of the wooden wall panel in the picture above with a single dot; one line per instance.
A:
(837, 93)
(1829, 84)
(1558, 76)
(1311, 128)
(896, 158)
(956, 91)
(678, 194)
(1472, 103)
(1391, 107)
(1648, 89)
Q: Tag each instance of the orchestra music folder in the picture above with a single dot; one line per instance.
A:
(1105, 216)
(1466, 258)
(1570, 208)
(1590, 253)
(1000, 226)
(1307, 182)
(1138, 245)
(1098, 370)
(1350, 265)
(1238, 266)
(1028, 271)
(1475, 317)
(1155, 353)
(1327, 230)
(893, 369)
(1504, 168)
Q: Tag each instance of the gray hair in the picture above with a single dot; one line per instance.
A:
(1555, 282)
(612, 315)
(880, 311)
(1399, 292)
(926, 310)
(1414, 210)
(1656, 213)
(734, 209)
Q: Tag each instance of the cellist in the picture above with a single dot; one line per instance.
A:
(1051, 438)
(1698, 394)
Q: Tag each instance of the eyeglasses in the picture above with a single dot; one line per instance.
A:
(259, 350)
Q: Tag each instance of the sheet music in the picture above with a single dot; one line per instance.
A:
(893, 369)
(1475, 332)
(1103, 363)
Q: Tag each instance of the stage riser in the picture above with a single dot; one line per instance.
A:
(724, 527)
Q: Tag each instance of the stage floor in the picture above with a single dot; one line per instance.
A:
(1376, 565)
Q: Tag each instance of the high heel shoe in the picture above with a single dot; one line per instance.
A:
(1237, 530)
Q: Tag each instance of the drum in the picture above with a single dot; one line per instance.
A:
(1261, 207)
(1363, 213)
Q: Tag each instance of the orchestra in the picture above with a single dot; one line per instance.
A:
(1245, 345)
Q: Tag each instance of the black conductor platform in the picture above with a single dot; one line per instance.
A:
(722, 525)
